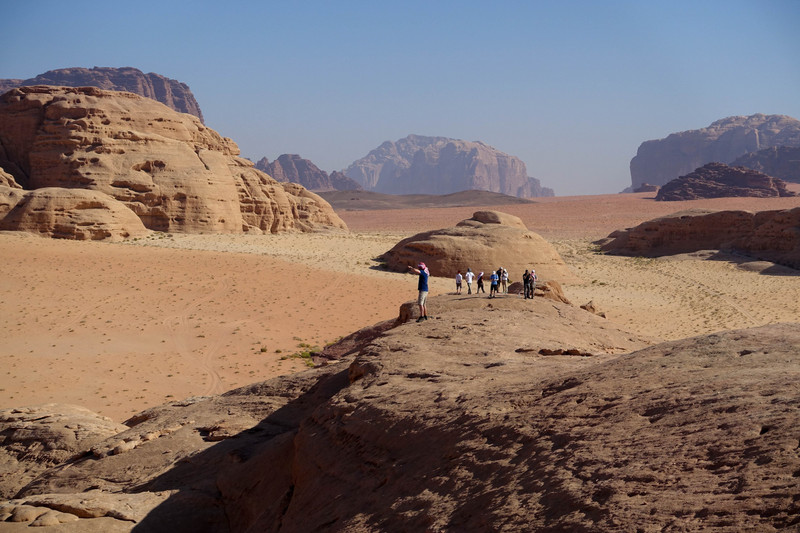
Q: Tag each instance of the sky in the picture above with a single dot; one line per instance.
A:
(572, 88)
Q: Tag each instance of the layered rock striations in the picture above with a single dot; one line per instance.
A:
(767, 235)
(169, 92)
(579, 427)
(438, 165)
(662, 160)
(487, 241)
(295, 169)
(782, 162)
(166, 167)
(717, 180)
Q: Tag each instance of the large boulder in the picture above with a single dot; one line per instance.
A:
(767, 235)
(169, 92)
(485, 242)
(167, 167)
(76, 214)
(438, 165)
(662, 160)
(35, 438)
(718, 180)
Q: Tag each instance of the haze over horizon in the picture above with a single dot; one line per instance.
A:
(571, 88)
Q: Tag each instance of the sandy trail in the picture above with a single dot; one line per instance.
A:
(121, 327)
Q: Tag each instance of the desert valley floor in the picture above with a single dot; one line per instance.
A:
(121, 327)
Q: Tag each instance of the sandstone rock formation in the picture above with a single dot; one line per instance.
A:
(487, 241)
(292, 167)
(782, 162)
(646, 187)
(438, 165)
(767, 235)
(430, 428)
(172, 93)
(717, 180)
(7, 180)
(33, 439)
(72, 214)
(660, 161)
(169, 169)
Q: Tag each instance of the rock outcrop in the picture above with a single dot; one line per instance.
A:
(172, 93)
(170, 170)
(75, 214)
(717, 180)
(660, 161)
(438, 165)
(295, 169)
(767, 235)
(429, 427)
(487, 241)
(782, 162)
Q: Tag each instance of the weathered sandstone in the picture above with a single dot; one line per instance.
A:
(662, 160)
(72, 214)
(718, 180)
(557, 424)
(169, 169)
(438, 165)
(169, 92)
(487, 241)
(767, 235)
(292, 167)
(781, 162)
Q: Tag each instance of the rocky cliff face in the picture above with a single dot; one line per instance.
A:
(169, 92)
(295, 169)
(660, 161)
(166, 167)
(717, 180)
(438, 165)
(781, 162)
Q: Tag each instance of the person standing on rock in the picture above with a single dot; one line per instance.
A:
(495, 279)
(469, 276)
(480, 284)
(459, 278)
(422, 287)
(526, 284)
(533, 282)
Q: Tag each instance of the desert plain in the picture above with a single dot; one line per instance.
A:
(120, 327)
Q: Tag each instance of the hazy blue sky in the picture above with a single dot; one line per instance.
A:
(570, 87)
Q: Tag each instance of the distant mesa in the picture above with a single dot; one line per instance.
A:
(166, 167)
(662, 160)
(367, 200)
(717, 180)
(295, 169)
(172, 93)
(781, 162)
(438, 165)
(487, 241)
(767, 235)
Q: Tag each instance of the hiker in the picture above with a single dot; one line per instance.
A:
(422, 287)
(480, 284)
(533, 281)
(459, 277)
(469, 276)
(495, 280)
(504, 279)
(526, 284)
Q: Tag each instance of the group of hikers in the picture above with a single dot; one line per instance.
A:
(498, 281)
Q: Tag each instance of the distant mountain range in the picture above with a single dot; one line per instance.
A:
(295, 169)
(169, 92)
(728, 141)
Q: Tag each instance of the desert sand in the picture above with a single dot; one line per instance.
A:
(119, 327)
